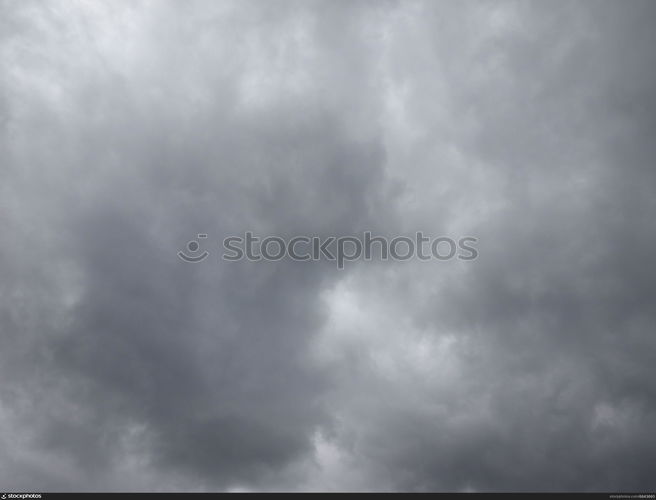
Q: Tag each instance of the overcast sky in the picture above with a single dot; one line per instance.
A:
(129, 127)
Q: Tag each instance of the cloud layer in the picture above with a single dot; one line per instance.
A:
(130, 127)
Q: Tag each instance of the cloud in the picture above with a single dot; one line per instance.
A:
(128, 129)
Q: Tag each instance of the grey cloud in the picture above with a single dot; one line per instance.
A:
(127, 130)
(553, 325)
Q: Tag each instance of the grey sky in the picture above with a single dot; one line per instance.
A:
(129, 127)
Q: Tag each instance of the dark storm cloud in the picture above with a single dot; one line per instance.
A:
(127, 129)
(195, 372)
